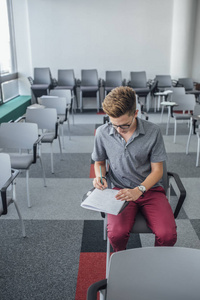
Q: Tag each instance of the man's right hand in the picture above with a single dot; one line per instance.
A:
(97, 183)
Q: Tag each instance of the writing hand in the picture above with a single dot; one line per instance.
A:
(97, 183)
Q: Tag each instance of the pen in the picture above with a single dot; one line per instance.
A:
(101, 175)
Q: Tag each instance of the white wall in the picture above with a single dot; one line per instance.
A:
(196, 60)
(125, 35)
(183, 38)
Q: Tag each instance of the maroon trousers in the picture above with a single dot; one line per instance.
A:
(158, 214)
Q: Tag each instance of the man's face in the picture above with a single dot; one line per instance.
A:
(125, 123)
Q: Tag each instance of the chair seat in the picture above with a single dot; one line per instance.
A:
(181, 116)
(8, 200)
(88, 88)
(48, 137)
(194, 92)
(40, 86)
(142, 90)
(21, 161)
(140, 225)
(109, 88)
(64, 87)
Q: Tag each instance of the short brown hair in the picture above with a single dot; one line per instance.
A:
(120, 101)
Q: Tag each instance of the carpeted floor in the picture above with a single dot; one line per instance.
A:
(64, 251)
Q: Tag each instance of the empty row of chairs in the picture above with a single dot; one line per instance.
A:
(90, 83)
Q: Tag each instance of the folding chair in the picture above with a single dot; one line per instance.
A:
(22, 137)
(7, 184)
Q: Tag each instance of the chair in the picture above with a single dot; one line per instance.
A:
(42, 82)
(170, 104)
(62, 110)
(140, 85)
(195, 122)
(164, 81)
(151, 273)
(189, 86)
(185, 107)
(89, 86)
(23, 138)
(7, 182)
(69, 100)
(113, 79)
(46, 119)
(67, 81)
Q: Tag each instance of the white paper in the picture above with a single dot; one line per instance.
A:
(103, 201)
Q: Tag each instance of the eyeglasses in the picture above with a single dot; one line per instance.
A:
(124, 126)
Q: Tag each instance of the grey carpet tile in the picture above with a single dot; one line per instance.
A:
(182, 128)
(68, 165)
(44, 265)
(191, 204)
(183, 164)
(60, 200)
(196, 226)
(80, 129)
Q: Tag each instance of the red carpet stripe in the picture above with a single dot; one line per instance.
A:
(92, 268)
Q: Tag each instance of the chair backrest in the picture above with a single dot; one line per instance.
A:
(113, 78)
(45, 118)
(138, 79)
(18, 135)
(89, 77)
(54, 102)
(42, 76)
(163, 81)
(5, 172)
(177, 91)
(154, 273)
(62, 93)
(185, 102)
(187, 83)
(66, 78)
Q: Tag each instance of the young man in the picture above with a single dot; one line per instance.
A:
(135, 152)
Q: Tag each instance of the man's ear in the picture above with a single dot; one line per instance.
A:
(136, 113)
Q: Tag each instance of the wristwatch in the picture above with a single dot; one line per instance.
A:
(142, 188)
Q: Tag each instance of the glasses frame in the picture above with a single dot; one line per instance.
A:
(124, 126)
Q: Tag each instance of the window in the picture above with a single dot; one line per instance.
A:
(7, 48)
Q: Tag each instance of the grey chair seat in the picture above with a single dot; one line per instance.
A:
(140, 225)
(21, 161)
(182, 116)
(141, 90)
(194, 92)
(40, 86)
(109, 88)
(67, 87)
(89, 88)
(48, 137)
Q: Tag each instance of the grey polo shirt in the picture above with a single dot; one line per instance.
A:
(129, 163)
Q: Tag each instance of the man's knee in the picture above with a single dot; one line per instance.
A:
(166, 237)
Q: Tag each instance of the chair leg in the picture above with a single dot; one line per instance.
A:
(81, 101)
(107, 257)
(43, 171)
(175, 128)
(27, 188)
(52, 167)
(18, 212)
(189, 137)
(198, 146)
(97, 96)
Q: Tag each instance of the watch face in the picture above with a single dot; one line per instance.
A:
(142, 188)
